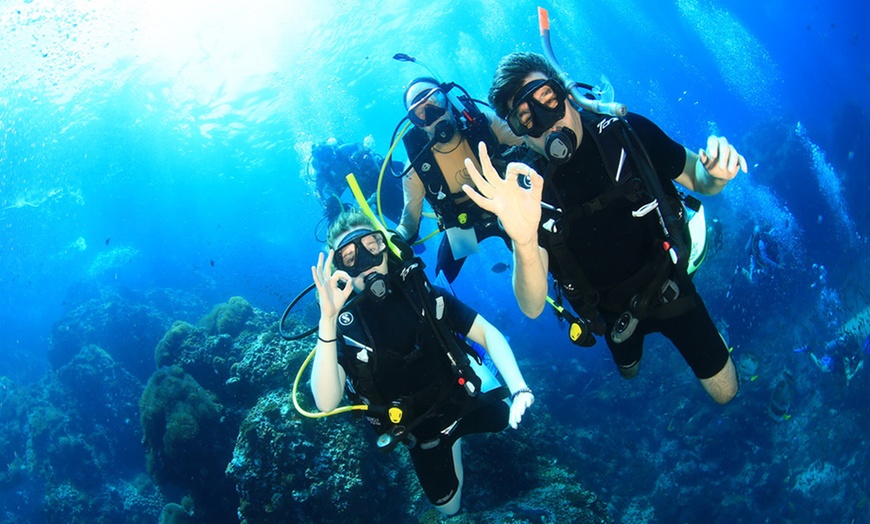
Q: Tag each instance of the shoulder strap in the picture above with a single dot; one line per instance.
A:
(572, 281)
(432, 309)
(622, 154)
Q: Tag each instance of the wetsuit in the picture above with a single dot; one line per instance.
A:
(405, 362)
(617, 252)
(332, 163)
(443, 190)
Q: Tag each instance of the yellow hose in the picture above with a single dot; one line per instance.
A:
(319, 414)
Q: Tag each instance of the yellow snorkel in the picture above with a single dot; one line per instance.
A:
(367, 211)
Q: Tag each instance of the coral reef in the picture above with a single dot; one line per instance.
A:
(229, 318)
(74, 446)
(187, 441)
(222, 441)
(125, 324)
(289, 469)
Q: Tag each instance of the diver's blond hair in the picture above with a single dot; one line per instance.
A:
(347, 220)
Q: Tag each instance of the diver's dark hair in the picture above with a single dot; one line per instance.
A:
(510, 75)
(418, 80)
(344, 222)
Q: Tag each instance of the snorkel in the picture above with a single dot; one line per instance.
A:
(579, 97)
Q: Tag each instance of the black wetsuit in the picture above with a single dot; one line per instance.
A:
(332, 164)
(408, 362)
(613, 247)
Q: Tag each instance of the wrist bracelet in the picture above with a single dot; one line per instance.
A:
(324, 340)
(521, 390)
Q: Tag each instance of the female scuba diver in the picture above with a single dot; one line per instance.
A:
(398, 347)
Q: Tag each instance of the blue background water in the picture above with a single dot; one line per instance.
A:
(165, 144)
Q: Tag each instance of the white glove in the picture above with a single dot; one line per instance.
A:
(521, 400)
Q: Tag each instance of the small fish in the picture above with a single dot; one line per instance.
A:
(800, 349)
(107, 240)
(211, 263)
(500, 267)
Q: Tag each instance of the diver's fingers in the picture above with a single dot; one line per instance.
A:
(742, 162)
(477, 198)
(317, 271)
(340, 276)
(537, 185)
(327, 262)
(733, 160)
(713, 147)
(489, 172)
(337, 278)
(316, 278)
(482, 185)
(516, 170)
(519, 406)
(723, 152)
(526, 177)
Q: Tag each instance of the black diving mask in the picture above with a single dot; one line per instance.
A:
(537, 107)
(359, 251)
(427, 107)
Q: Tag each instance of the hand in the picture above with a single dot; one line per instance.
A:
(332, 297)
(517, 208)
(520, 403)
(721, 159)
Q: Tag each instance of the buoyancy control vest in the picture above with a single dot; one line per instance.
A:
(452, 379)
(632, 177)
(451, 214)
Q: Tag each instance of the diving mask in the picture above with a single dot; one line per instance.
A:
(427, 107)
(359, 251)
(537, 107)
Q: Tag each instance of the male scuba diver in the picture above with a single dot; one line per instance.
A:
(331, 161)
(398, 347)
(442, 138)
(612, 231)
(763, 252)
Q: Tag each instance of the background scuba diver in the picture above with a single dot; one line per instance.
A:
(437, 172)
(763, 252)
(392, 356)
(331, 161)
(602, 235)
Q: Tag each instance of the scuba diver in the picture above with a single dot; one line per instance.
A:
(331, 161)
(845, 347)
(397, 344)
(715, 236)
(763, 253)
(605, 218)
(781, 398)
(442, 138)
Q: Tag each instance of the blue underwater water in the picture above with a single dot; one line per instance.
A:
(155, 163)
